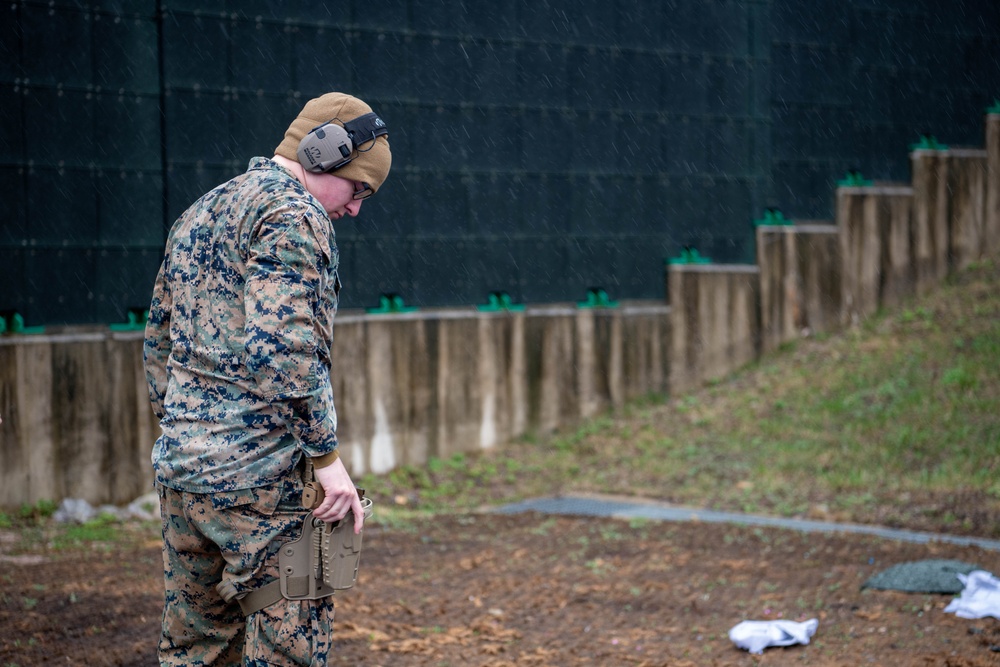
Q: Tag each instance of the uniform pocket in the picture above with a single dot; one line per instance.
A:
(225, 500)
(263, 499)
(267, 498)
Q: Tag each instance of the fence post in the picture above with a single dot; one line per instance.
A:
(715, 326)
(930, 218)
(967, 177)
(991, 223)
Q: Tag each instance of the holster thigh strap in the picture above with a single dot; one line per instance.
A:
(270, 593)
(262, 597)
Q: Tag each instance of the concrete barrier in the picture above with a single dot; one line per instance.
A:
(715, 327)
(800, 278)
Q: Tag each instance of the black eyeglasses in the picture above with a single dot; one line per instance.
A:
(363, 192)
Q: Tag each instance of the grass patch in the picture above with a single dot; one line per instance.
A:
(101, 529)
(105, 532)
(36, 513)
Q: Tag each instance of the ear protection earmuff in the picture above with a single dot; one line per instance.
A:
(333, 144)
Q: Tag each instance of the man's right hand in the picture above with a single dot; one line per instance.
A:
(341, 495)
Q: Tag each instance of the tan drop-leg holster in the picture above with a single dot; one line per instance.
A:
(324, 559)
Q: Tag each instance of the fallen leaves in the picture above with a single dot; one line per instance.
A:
(483, 633)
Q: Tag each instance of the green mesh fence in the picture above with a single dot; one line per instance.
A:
(541, 148)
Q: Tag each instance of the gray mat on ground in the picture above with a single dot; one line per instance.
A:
(644, 509)
(922, 576)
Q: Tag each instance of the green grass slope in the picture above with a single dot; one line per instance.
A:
(894, 423)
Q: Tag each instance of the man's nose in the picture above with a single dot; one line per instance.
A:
(354, 207)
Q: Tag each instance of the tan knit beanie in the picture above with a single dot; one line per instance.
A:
(370, 166)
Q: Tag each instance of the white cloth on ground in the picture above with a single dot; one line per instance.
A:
(979, 598)
(755, 636)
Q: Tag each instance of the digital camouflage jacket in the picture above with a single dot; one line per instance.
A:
(237, 344)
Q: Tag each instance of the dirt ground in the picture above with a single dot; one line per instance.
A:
(498, 590)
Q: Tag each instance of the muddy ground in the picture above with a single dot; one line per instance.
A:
(498, 590)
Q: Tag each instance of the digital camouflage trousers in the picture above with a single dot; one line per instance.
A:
(235, 536)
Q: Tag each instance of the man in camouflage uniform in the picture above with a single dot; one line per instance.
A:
(237, 356)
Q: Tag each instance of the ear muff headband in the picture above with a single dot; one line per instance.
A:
(332, 145)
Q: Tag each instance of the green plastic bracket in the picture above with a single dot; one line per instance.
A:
(12, 322)
(499, 301)
(597, 297)
(995, 107)
(689, 256)
(137, 318)
(391, 303)
(928, 143)
(854, 179)
(773, 216)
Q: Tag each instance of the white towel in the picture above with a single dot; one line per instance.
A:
(755, 636)
(979, 598)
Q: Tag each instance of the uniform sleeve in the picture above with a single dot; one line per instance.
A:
(283, 277)
(156, 344)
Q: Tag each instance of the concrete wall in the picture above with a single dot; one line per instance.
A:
(77, 423)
